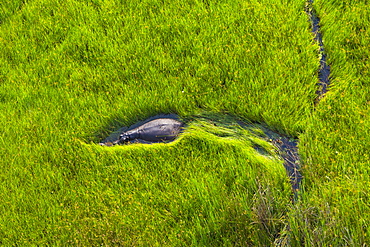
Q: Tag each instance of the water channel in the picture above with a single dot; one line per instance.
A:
(324, 68)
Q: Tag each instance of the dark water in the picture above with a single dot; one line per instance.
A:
(324, 68)
(288, 150)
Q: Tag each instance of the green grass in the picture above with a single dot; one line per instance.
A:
(178, 57)
(73, 71)
(336, 202)
(207, 188)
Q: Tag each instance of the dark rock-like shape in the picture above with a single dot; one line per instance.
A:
(162, 129)
(156, 130)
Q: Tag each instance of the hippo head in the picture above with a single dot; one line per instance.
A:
(123, 137)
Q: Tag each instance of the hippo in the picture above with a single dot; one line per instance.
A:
(157, 130)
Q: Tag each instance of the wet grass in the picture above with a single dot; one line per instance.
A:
(73, 71)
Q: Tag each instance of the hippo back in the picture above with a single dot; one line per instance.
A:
(161, 129)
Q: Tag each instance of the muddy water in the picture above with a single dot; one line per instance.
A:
(324, 68)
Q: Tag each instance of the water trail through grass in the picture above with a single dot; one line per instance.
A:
(288, 150)
(224, 126)
(324, 69)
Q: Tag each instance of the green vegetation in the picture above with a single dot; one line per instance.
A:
(73, 71)
(335, 208)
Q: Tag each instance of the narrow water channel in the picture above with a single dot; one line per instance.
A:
(288, 151)
(324, 68)
(288, 148)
